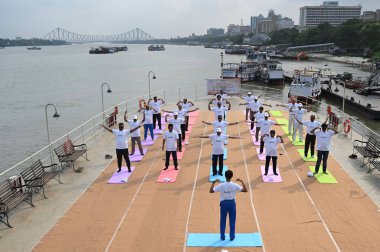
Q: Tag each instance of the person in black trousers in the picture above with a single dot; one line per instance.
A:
(170, 137)
(156, 105)
(271, 150)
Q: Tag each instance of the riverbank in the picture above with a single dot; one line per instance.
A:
(361, 62)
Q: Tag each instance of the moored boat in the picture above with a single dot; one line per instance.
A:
(306, 85)
(271, 72)
(156, 48)
(34, 48)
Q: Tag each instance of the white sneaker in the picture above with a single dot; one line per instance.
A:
(304, 157)
(313, 156)
(187, 142)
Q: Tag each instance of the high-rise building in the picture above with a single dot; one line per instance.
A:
(329, 12)
(255, 20)
(215, 32)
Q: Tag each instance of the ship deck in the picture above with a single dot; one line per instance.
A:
(298, 214)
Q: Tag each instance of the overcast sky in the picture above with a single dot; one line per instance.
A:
(159, 18)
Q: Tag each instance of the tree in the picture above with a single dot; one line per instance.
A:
(370, 35)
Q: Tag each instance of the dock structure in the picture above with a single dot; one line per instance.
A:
(297, 214)
(317, 48)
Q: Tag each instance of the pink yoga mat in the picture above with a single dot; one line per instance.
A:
(121, 177)
(179, 154)
(149, 141)
(137, 157)
(254, 142)
(261, 156)
(192, 120)
(271, 178)
(168, 176)
(195, 113)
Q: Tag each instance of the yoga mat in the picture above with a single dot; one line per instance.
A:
(224, 154)
(309, 158)
(192, 120)
(254, 142)
(121, 177)
(261, 156)
(158, 131)
(195, 113)
(213, 240)
(221, 178)
(282, 121)
(179, 154)
(323, 178)
(275, 113)
(149, 141)
(296, 143)
(271, 178)
(285, 129)
(168, 176)
(137, 157)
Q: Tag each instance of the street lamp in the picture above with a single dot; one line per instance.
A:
(108, 91)
(56, 115)
(154, 77)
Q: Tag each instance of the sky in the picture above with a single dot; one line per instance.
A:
(159, 18)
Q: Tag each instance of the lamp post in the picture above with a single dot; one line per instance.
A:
(108, 91)
(221, 65)
(154, 77)
(56, 115)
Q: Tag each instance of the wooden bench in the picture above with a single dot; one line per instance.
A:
(369, 150)
(10, 197)
(36, 176)
(68, 152)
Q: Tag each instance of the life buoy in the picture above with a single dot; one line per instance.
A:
(347, 126)
(142, 103)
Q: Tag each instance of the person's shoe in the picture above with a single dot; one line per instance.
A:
(186, 130)
(165, 168)
(312, 156)
(220, 174)
(187, 142)
(144, 139)
(214, 174)
(222, 238)
(315, 172)
(129, 170)
(326, 173)
(233, 238)
(142, 153)
(131, 154)
(260, 153)
(118, 170)
(179, 150)
(175, 168)
(275, 174)
(304, 156)
(160, 129)
(265, 174)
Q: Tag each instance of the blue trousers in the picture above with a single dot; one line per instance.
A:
(322, 155)
(150, 127)
(227, 206)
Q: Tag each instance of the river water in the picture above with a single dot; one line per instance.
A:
(70, 77)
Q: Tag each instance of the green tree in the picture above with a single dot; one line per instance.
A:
(370, 35)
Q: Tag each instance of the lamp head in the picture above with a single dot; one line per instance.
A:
(109, 90)
(154, 77)
(56, 114)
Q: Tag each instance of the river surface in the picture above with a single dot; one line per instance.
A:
(71, 78)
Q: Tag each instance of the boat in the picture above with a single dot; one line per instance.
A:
(156, 48)
(306, 85)
(255, 56)
(271, 72)
(326, 74)
(354, 84)
(236, 49)
(34, 48)
(107, 50)
(245, 71)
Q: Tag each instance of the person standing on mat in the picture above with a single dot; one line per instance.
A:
(186, 105)
(292, 107)
(148, 121)
(218, 141)
(177, 122)
(298, 116)
(228, 191)
(255, 106)
(247, 99)
(135, 136)
(310, 138)
(271, 150)
(155, 104)
(323, 136)
(259, 117)
(122, 144)
(220, 124)
(219, 109)
(170, 137)
(265, 127)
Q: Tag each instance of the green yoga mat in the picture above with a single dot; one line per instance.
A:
(285, 129)
(323, 178)
(282, 121)
(309, 158)
(275, 113)
(296, 143)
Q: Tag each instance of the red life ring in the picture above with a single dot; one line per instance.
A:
(347, 126)
(142, 103)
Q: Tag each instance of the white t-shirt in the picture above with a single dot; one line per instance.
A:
(292, 106)
(311, 125)
(132, 125)
(265, 126)
(271, 145)
(156, 105)
(254, 106)
(223, 125)
(259, 117)
(148, 116)
(248, 99)
(181, 113)
(187, 106)
(176, 124)
(171, 140)
(219, 111)
(228, 190)
(215, 102)
(218, 143)
(299, 114)
(121, 138)
(323, 139)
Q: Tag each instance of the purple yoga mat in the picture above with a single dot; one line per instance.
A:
(149, 141)
(121, 177)
(254, 142)
(261, 156)
(137, 157)
(271, 178)
(158, 131)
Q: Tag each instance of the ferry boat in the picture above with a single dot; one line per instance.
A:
(245, 71)
(326, 74)
(271, 72)
(156, 48)
(259, 57)
(306, 85)
(34, 48)
(107, 50)
(236, 49)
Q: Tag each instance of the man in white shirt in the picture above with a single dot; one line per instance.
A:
(255, 107)
(148, 121)
(135, 136)
(122, 144)
(292, 107)
(259, 117)
(218, 140)
(177, 122)
(220, 123)
(298, 116)
(186, 105)
(247, 99)
(219, 109)
(271, 150)
(219, 99)
(323, 136)
(228, 191)
(170, 137)
(310, 138)
(265, 129)
(156, 105)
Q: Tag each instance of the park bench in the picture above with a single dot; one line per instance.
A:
(68, 152)
(36, 176)
(10, 197)
(375, 163)
(369, 150)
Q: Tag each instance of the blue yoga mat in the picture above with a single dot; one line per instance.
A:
(213, 240)
(224, 154)
(221, 178)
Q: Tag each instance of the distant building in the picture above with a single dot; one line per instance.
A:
(18, 38)
(215, 32)
(260, 24)
(234, 30)
(285, 23)
(245, 29)
(266, 26)
(255, 20)
(371, 15)
(329, 12)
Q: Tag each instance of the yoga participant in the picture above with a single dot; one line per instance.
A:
(298, 116)
(247, 99)
(259, 116)
(254, 106)
(156, 105)
(148, 121)
(220, 123)
(323, 136)
(219, 109)
(186, 105)
(135, 136)
(170, 137)
(122, 144)
(271, 150)
(292, 107)
(310, 137)
(265, 127)
(218, 140)
(177, 122)
(228, 191)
